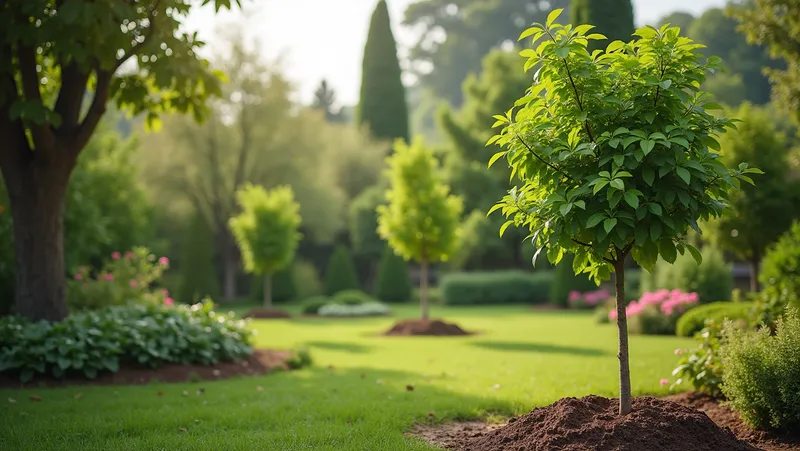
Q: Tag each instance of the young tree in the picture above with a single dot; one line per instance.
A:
(613, 18)
(759, 215)
(614, 154)
(266, 231)
(51, 54)
(421, 220)
(383, 98)
(340, 275)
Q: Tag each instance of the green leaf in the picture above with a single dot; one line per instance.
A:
(609, 224)
(619, 160)
(595, 219)
(562, 52)
(505, 226)
(597, 36)
(630, 140)
(618, 184)
(496, 157)
(553, 16)
(654, 208)
(602, 183)
(712, 106)
(680, 141)
(684, 174)
(649, 176)
(640, 234)
(580, 204)
(631, 199)
(530, 32)
(565, 208)
(684, 198)
(667, 250)
(649, 116)
(698, 257)
(647, 146)
(655, 231)
(665, 84)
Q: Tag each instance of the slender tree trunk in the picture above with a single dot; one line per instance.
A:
(755, 263)
(423, 288)
(268, 290)
(622, 328)
(230, 266)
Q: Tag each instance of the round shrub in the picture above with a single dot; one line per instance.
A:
(393, 283)
(340, 274)
(565, 281)
(780, 269)
(694, 320)
(306, 280)
(145, 335)
(496, 287)
(352, 297)
(312, 305)
(712, 280)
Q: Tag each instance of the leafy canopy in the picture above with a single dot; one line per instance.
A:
(267, 228)
(614, 151)
(422, 217)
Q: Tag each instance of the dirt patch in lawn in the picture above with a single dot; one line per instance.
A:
(425, 327)
(726, 417)
(267, 313)
(592, 423)
(262, 361)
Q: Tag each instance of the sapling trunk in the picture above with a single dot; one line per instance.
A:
(423, 288)
(268, 290)
(622, 329)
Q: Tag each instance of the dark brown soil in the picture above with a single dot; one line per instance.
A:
(262, 361)
(726, 417)
(267, 313)
(592, 423)
(425, 327)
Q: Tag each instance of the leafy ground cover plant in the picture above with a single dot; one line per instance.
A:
(694, 320)
(702, 366)
(147, 335)
(614, 154)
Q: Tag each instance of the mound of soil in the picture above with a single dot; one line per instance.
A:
(267, 313)
(425, 327)
(726, 417)
(592, 423)
(262, 361)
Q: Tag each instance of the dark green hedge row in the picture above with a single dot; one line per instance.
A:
(498, 287)
(693, 321)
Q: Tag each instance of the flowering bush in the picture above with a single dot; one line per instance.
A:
(123, 279)
(590, 299)
(657, 312)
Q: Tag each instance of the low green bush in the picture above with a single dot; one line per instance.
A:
(300, 359)
(693, 320)
(393, 283)
(355, 310)
(312, 305)
(498, 287)
(340, 274)
(761, 376)
(147, 335)
(352, 297)
(780, 268)
(702, 366)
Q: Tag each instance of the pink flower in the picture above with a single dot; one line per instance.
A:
(163, 261)
(169, 301)
(109, 277)
(115, 255)
(133, 284)
(78, 276)
(165, 293)
(664, 382)
(574, 296)
(129, 255)
(678, 352)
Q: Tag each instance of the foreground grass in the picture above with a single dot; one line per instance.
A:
(520, 359)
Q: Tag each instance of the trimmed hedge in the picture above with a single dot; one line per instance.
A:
(497, 287)
(693, 321)
(352, 297)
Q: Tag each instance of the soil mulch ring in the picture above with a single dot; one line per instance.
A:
(425, 327)
(679, 423)
(267, 313)
(262, 361)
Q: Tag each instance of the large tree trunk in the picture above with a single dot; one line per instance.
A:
(268, 290)
(755, 263)
(423, 288)
(622, 329)
(37, 188)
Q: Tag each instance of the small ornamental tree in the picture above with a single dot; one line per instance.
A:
(340, 274)
(421, 219)
(614, 154)
(266, 231)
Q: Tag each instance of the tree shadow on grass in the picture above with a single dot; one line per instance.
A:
(339, 346)
(545, 348)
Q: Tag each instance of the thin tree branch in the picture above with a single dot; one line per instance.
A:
(96, 110)
(542, 159)
(70, 95)
(606, 259)
(43, 136)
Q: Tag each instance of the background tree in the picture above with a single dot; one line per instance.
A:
(52, 54)
(324, 99)
(363, 222)
(680, 19)
(759, 215)
(382, 106)
(612, 18)
(421, 219)
(198, 274)
(774, 23)
(393, 283)
(340, 274)
(267, 231)
(613, 155)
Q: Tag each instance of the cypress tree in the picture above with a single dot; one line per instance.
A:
(393, 283)
(198, 273)
(340, 274)
(383, 98)
(613, 18)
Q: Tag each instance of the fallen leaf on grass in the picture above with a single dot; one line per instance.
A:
(181, 429)
(160, 393)
(431, 414)
(330, 367)
(185, 393)
(201, 391)
(349, 421)
(260, 388)
(409, 387)
(78, 395)
(35, 398)
(12, 400)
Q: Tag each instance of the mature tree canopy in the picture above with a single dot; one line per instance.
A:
(134, 54)
(612, 18)
(383, 105)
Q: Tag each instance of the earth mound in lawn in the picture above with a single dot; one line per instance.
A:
(592, 423)
(425, 327)
(267, 313)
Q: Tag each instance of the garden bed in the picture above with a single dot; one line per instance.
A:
(425, 327)
(262, 361)
(687, 422)
(267, 313)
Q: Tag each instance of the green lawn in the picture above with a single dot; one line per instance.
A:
(520, 359)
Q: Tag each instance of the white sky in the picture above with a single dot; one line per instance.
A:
(325, 38)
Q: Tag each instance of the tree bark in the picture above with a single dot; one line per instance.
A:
(423, 288)
(622, 329)
(268, 290)
(755, 263)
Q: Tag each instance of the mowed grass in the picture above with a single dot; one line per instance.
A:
(355, 396)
